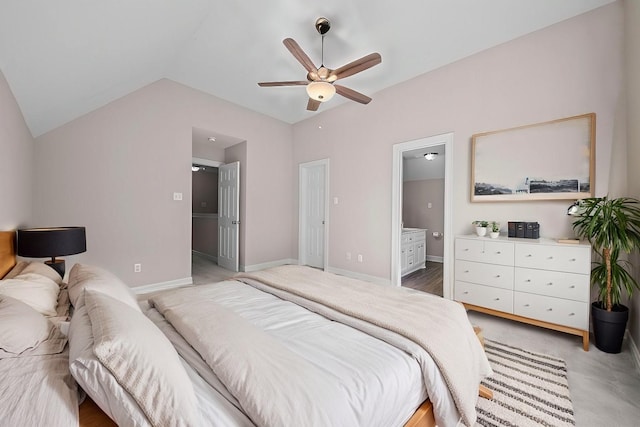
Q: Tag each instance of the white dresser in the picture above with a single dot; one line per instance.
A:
(540, 282)
(413, 250)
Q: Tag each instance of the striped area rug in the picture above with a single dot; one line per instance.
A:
(529, 389)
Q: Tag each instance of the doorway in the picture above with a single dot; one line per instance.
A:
(204, 209)
(441, 145)
(313, 214)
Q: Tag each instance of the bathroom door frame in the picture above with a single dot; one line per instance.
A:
(445, 139)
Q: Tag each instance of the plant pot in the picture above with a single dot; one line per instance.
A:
(494, 234)
(481, 231)
(609, 326)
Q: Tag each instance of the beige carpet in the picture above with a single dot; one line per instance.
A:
(530, 389)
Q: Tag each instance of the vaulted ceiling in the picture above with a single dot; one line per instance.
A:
(65, 58)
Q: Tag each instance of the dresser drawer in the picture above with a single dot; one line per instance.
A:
(500, 276)
(571, 259)
(484, 296)
(570, 286)
(485, 251)
(553, 310)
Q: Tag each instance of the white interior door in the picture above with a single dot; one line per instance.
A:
(313, 215)
(228, 215)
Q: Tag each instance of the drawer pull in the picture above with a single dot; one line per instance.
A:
(465, 292)
(497, 276)
(529, 256)
(528, 280)
(550, 284)
(550, 257)
(466, 249)
(572, 287)
(549, 309)
(572, 314)
(572, 259)
(498, 253)
(527, 305)
(466, 271)
(496, 299)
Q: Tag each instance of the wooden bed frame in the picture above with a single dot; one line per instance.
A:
(92, 416)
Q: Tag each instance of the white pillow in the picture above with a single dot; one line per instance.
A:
(17, 269)
(25, 332)
(95, 379)
(41, 269)
(143, 361)
(90, 277)
(38, 291)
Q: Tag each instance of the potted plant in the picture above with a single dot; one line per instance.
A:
(495, 230)
(612, 226)
(481, 227)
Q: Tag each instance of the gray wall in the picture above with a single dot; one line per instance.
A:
(416, 196)
(571, 68)
(115, 170)
(16, 163)
(632, 73)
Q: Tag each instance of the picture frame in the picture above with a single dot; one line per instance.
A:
(553, 160)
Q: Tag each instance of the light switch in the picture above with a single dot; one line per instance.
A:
(335, 200)
(429, 205)
(177, 196)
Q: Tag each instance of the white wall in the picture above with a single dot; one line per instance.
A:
(567, 69)
(115, 170)
(16, 162)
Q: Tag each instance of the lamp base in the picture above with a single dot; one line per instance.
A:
(57, 265)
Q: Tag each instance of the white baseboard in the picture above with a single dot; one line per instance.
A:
(256, 267)
(360, 276)
(204, 255)
(434, 258)
(145, 289)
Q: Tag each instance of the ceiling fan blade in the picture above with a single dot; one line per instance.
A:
(293, 83)
(352, 94)
(355, 66)
(299, 54)
(313, 105)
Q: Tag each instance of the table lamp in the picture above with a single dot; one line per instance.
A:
(52, 242)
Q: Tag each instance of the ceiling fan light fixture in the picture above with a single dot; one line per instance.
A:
(321, 91)
(430, 156)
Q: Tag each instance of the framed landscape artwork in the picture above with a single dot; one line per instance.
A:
(553, 160)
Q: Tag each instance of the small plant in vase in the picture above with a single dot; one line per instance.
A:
(495, 230)
(481, 227)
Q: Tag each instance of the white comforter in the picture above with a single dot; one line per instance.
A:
(38, 391)
(329, 374)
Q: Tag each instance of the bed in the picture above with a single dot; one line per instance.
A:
(261, 349)
(285, 346)
(36, 388)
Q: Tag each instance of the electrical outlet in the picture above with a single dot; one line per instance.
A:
(348, 256)
(137, 268)
(360, 258)
(177, 196)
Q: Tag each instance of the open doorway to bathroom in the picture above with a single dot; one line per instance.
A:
(422, 245)
(421, 214)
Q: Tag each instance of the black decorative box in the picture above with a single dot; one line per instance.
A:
(524, 230)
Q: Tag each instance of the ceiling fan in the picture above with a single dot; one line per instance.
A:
(320, 81)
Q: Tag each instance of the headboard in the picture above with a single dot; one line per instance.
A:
(7, 251)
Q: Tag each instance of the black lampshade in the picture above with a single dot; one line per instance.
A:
(52, 242)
